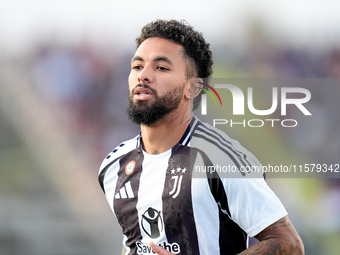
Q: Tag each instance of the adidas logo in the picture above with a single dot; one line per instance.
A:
(125, 192)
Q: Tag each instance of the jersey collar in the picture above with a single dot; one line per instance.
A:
(184, 141)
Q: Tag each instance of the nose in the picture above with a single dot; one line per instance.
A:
(145, 75)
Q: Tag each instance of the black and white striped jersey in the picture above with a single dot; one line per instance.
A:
(181, 200)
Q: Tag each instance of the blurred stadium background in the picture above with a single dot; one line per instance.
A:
(63, 79)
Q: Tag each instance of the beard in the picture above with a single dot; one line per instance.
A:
(142, 113)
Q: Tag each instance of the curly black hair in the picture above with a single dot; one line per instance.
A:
(196, 49)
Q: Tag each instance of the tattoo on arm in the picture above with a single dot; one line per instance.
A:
(280, 238)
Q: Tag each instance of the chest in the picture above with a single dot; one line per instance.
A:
(145, 181)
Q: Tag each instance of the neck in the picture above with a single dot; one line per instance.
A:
(166, 133)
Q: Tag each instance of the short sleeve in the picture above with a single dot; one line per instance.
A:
(252, 204)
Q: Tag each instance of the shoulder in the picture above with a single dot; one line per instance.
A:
(217, 145)
(204, 132)
(122, 149)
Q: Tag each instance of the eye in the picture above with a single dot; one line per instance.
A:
(137, 67)
(162, 68)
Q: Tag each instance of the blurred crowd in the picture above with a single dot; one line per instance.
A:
(86, 87)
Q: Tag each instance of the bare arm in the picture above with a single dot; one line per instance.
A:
(280, 238)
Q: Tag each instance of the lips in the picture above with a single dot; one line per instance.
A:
(142, 93)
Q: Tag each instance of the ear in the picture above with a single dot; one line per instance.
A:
(194, 90)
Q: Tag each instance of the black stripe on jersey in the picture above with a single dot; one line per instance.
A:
(178, 210)
(216, 185)
(225, 142)
(232, 238)
(125, 208)
(103, 172)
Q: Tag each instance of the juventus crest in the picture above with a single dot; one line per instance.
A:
(176, 178)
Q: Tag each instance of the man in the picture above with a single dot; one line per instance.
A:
(149, 181)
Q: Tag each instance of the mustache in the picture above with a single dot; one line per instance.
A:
(143, 85)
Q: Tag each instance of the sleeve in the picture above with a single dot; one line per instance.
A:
(252, 204)
(246, 197)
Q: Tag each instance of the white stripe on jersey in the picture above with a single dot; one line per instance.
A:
(128, 189)
(201, 192)
(151, 187)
